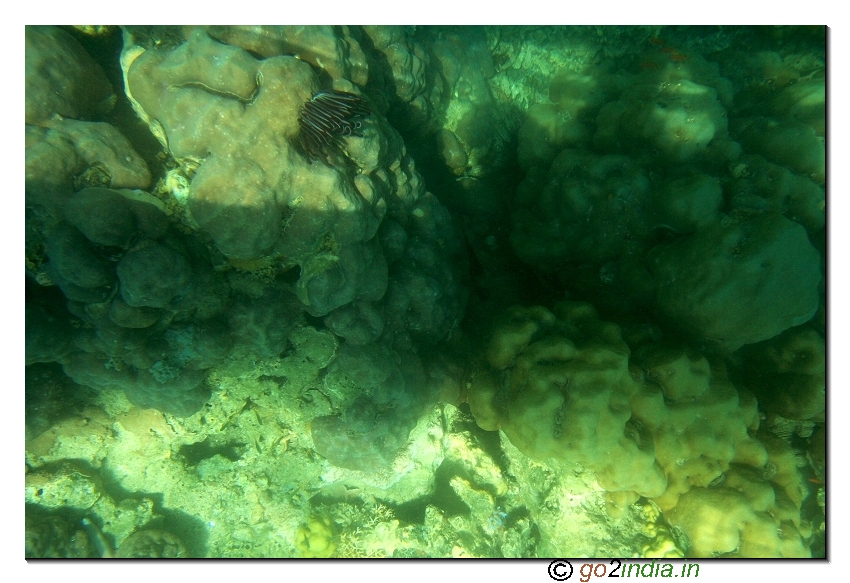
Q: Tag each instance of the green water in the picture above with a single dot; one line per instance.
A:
(493, 292)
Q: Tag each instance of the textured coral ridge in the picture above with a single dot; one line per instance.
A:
(266, 344)
(561, 387)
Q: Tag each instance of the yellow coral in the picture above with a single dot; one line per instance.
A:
(722, 522)
(662, 546)
(558, 384)
(696, 439)
(315, 539)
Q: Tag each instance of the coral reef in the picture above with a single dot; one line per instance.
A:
(62, 80)
(559, 385)
(53, 537)
(127, 274)
(698, 422)
(730, 522)
(678, 120)
(788, 373)
(79, 154)
(315, 539)
(756, 278)
(586, 208)
(152, 544)
(396, 291)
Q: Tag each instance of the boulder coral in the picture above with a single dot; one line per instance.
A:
(760, 185)
(699, 422)
(68, 146)
(743, 280)
(675, 120)
(329, 48)
(728, 522)
(232, 120)
(215, 102)
(152, 293)
(559, 386)
(126, 274)
(792, 144)
(788, 373)
(79, 154)
(563, 388)
(62, 80)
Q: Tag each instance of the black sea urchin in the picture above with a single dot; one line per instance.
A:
(327, 117)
